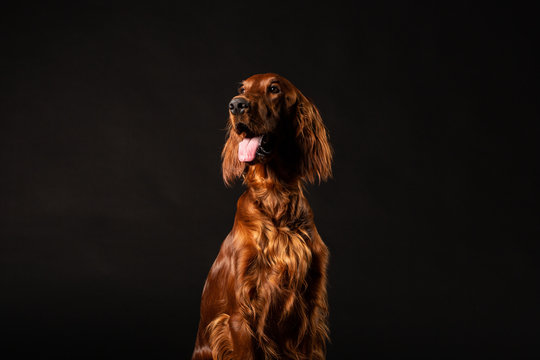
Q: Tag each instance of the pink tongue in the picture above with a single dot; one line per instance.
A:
(247, 149)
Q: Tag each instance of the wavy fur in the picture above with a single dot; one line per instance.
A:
(265, 295)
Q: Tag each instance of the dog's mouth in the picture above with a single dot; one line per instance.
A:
(251, 148)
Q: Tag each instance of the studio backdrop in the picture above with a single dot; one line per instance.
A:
(113, 208)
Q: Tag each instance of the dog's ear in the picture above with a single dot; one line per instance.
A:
(232, 168)
(312, 139)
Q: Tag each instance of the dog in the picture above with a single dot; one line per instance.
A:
(265, 295)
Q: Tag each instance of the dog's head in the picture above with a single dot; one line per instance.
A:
(272, 123)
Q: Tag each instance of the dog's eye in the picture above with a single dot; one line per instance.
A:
(241, 90)
(274, 89)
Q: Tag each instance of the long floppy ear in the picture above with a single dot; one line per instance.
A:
(312, 138)
(232, 167)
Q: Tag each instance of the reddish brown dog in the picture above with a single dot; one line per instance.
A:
(265, 295)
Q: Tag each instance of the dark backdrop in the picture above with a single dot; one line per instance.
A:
(113, 208)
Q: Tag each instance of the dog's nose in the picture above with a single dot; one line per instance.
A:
(238, 105)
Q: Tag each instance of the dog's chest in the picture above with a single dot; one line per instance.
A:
(283, 259)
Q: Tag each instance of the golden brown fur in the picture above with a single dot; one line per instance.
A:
(265, 295)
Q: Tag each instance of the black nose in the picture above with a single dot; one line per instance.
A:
(238, 105)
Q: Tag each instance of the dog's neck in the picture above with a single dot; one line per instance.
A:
(281, 201)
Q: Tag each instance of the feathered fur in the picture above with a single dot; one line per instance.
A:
(265, 295)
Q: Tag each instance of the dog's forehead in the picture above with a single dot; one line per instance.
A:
(263, 80)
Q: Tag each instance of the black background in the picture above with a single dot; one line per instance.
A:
(113, 208)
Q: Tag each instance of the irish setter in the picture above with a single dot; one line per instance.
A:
(265, 295)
